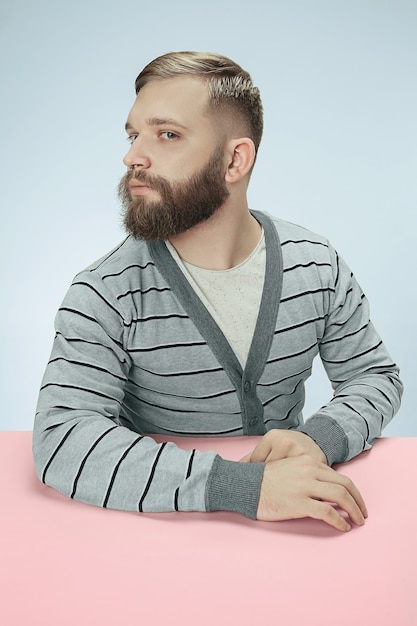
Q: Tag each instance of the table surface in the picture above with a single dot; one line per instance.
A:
(64, 562)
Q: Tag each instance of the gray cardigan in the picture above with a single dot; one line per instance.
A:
(136, 353)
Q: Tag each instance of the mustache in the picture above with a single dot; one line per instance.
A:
(155, 182)
(144, 177)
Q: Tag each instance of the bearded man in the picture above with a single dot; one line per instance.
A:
(205, 321)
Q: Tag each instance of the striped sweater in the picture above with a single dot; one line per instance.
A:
(136, 353)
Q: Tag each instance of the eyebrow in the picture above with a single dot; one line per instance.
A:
(157, 121)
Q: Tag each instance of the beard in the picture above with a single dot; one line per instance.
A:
(181, 205)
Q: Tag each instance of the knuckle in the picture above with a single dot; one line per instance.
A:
(346, 481)
(307, 460)
(272, 434)
(342, 494)
(328, 512)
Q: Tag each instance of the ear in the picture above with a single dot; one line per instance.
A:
(241, 157)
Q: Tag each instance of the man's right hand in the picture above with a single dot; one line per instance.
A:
(301, 486)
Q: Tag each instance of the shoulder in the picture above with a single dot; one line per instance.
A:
(297, 243)
(294, 233)
(100, 293)
(127, 268)
(127, 265)
(129, 254)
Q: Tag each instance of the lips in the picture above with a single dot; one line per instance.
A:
(135, 183)
(136, 188)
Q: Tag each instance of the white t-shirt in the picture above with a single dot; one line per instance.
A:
(231, 296)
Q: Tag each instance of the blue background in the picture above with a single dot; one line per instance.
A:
(339, 156)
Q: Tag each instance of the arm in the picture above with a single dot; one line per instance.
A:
(367, 388)
(82, 450)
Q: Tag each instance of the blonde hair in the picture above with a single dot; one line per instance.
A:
(230, 87)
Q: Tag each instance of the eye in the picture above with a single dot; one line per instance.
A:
(131, 138)
(169, 135)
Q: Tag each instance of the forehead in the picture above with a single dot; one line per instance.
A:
(183, 98)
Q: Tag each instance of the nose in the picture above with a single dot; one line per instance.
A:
(136, 156)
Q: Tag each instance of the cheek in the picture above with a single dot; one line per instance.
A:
(176, 172)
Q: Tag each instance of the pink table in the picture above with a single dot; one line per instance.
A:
(66, 563)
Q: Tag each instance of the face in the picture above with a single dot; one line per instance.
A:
(172, 185)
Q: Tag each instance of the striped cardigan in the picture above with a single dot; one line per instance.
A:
(136, 353)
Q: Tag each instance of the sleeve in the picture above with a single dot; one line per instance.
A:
(80, 447)
(366, 383)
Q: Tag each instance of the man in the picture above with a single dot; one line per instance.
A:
(206, 321)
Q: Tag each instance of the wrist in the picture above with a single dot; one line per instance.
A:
(328, 436)
(234, 486)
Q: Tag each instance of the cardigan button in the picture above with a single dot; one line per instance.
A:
(254, 421)
(246, 386)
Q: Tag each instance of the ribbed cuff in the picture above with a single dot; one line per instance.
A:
(234, 486)
(329, 436)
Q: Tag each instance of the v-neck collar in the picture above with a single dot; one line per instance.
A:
(206, 325)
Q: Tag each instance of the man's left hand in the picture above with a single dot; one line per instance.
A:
(281, 444)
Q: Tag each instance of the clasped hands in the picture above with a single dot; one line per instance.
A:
(298, 483)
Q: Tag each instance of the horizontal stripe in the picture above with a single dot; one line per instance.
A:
(280, 395)
(179, 374)
(149, 427)
(169, 409)
(354, 356)
(287, 329)
(94, 392)
(88, 365)
(307, 293)
(98, 294)
(75, 312)
(152, 318)
(287, 416)
(143, 292)
(297, 241)
(376, 390)
(352, 334)
(167, 346)
(292, 355)
(164, 393)
(298, 265)
(129, 267)
(283, 380)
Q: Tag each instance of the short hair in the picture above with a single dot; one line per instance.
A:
(230, 87)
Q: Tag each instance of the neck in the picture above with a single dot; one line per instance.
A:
(223, 241)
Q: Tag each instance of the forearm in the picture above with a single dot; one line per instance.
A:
(98, 462)
(95, 461)
(356, 415)
(365, 380)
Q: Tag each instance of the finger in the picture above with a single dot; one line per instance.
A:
(341, 479)
(261, 452)
(246, 458)
(333, 492)
(327, 513)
